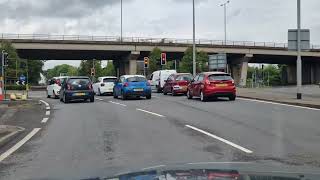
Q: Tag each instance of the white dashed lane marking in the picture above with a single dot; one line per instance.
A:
(118, 103)
(221, 139)
(159, 115)
(44, 120)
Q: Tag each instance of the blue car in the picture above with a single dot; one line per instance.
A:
(132, 86)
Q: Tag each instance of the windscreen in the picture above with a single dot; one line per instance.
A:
(107, 80)
(186, 77)
(79, 84)
(220, 77)
(136, 79)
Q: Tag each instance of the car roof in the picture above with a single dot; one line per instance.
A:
(129, 76)
(60, 77)
(214, 72)
(178, 74)
(103, 77)
(74, 77)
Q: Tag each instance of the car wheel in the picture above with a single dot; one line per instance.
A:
(173, 93)
(99, 92)
(55, 95)
(232, 98)
(164, 92)
(202, 97)
(189, 96)
(123, 96)
(48, 96)
(148, 96)
(92, 99)
(65, 99)
(115, 96)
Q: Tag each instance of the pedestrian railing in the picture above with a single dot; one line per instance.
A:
(169, 41)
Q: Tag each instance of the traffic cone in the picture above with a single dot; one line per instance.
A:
(1, 91)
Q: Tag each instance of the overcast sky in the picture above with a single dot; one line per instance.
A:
(248, 20)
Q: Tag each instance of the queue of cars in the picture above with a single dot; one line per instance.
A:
(204, 85)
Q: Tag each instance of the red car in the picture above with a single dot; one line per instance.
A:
(212, 84)
(177, 84)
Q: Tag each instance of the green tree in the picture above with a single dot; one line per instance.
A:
(86, 65)
(186, 64)
(154, 57)
(109, 70)
(59, 69)
(17, 66)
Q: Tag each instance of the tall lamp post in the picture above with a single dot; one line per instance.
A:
(121, 21)
(299, 71)
(224, 5)
(194, 41)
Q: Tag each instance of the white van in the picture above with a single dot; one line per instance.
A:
(157, 79)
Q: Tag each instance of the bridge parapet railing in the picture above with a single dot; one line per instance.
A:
(170, 41)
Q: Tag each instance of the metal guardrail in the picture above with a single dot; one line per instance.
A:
(145, 40)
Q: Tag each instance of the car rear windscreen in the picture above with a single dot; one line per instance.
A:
(79, 83)
(136, 79)
(184, 77)
(220, 77)
(106, 80)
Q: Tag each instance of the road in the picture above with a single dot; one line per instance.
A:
(111, 136)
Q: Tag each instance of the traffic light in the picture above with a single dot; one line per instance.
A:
(163, 58)
(4, 58)
(146, 62)
(93, 71)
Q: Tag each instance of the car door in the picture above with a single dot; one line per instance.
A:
(118, 86)
(192, 85)
(199, 84)
(167, 85)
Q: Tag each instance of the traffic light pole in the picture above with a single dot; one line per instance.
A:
(2, 73)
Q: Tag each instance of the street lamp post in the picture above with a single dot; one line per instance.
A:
(194, 41)
(299, 71)
(121, 21)
(224, 5)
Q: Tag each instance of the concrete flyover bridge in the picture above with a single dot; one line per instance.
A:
(131, 50)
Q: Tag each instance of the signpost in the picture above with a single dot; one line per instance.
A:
(218, 62)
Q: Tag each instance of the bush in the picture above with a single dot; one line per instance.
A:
(16, 87)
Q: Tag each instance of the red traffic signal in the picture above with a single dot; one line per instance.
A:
(93, 71)
(163, 58)
(146, 62)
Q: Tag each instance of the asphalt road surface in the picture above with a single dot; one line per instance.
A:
(111, 136)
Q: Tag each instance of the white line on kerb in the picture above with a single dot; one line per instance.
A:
(281, 104)
(150, 112)
(47, 113)
(221, 139)
(153, 167)
(219, 163)
(19, 144)
(99, 99)
(117, 103)
(44, 120)
(48, 108)
(47, 104)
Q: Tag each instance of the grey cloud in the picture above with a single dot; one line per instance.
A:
(16, 9)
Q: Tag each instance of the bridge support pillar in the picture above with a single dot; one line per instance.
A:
(292, 74)
(131, 63)
(240, 70)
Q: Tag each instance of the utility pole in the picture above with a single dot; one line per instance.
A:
(224, 5)
(121, 21)
(194, 69)
(299, 63)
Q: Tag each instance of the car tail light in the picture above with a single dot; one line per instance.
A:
(58, 82)
(68, 87)
(232, 83)
(90, 86)
(207, 82)
(126, 84)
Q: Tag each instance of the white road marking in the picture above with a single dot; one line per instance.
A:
(44, 120)
(219, 163)
(47, 113)
(19, 144)
(48, 108)
(150, 112)
(281, 104)
(47, 104)
(117, 103)
(153, 167)
(221, 139)
(99, 99)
